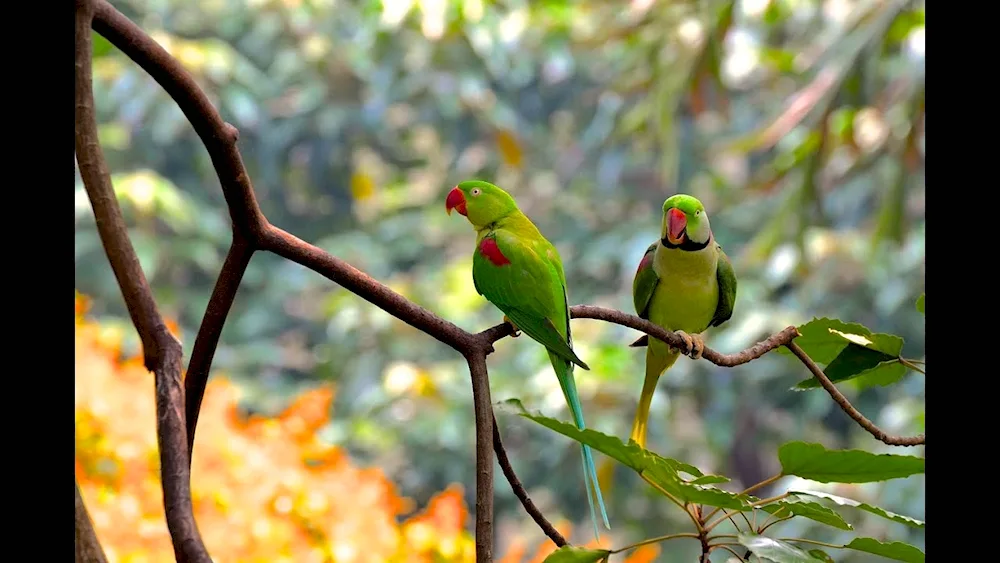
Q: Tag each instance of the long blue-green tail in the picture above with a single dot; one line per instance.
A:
(564, 371)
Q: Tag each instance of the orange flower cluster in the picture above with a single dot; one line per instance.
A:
(264, 489)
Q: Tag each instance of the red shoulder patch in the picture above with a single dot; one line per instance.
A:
(646, 259)
(491, 251)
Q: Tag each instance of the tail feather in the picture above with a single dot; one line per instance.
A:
(564, 371)
(656, 364)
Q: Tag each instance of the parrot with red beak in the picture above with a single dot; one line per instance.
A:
(520, 272)
(684, 283)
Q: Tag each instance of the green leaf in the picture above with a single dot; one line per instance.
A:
(851, 362)
(570, 554)
(807, 509)
(874, 356)
(920, 303)
(709, 479)
(866, 507)
(821, 344)
(892, 550)
(663, 472)
(821, 555)
(883, 375)
(815, 462)
(855, 366)
(774, 550)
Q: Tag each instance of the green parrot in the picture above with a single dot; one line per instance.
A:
(684, 283)
(520, 272)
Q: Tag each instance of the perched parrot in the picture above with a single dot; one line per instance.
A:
(520, 272)
(684, 283)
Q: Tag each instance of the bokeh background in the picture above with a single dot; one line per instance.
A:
(329, 426)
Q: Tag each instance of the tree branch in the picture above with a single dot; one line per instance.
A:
(852, 412)
(161, 351)
(219, 137)
(783, 338)
(484, 457)
(210, 330)
(631, 321)
(88, 547)
(361, 284)
(251, 232)
(521, 493)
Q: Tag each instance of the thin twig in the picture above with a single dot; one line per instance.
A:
(88, 547)
(161, 351)
(755, 504)
(745, 519)
(657, 540)
(769, 524)
(672, 499)
(910, 364)
(631, 321)
(729, 549)
(762, 484)
(205, 344)
(521, 493)
(848, 408)
(751, 489)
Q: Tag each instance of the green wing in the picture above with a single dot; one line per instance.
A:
(644, 283)
(643, 286)
(726, 277)
(530, 290)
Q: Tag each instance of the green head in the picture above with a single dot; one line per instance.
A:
(481, 202)
(685, 223)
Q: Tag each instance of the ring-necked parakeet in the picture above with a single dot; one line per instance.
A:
(684, 283)
(520, 272)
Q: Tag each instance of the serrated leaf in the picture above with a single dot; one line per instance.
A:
(888, 344)
(709, 479)
(881, 374)
(570, 554)
(822, 345)
(920, 303)
(815, 462)
(661, 471)
(774, 550)
(807, 509)
(873, 356)
(851, 362)
(892, 550)
(866, 507)
(821, 555)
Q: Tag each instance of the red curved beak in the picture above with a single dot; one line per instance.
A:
(456, 201)
(676, 223)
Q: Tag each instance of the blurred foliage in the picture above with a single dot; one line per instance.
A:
(799, 124)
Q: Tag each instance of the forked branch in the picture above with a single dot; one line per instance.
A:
(177, 407)
(161, 351)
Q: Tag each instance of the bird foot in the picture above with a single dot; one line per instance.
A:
(517, 331)
(694, 345)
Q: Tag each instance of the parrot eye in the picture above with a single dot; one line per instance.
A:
(475, 191)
